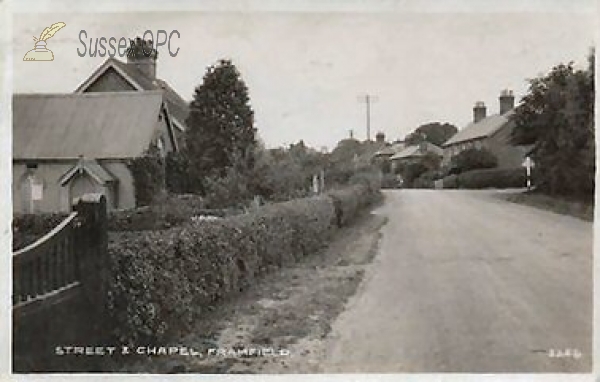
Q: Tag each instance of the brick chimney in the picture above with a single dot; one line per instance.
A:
(507, 101)
(479, 111)
(142, 55)
(380, 137)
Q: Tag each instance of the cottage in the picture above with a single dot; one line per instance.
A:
(414, 153)
(65, 145)
(390, 150)
(138, 74)
(491, 132)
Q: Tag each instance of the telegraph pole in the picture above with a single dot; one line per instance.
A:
(367, 99)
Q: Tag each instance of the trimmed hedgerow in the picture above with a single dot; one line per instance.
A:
(450, 181)
(162, 280)
(348, 201)
(488, 178)
(493, 178)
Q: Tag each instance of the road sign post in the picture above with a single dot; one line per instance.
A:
(528, 164)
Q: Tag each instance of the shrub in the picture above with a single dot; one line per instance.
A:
(26, 228)
(148, 174)
(451, 181)
(426, 179)
(371, 178)
(348, 201)
(161, 280)
(230, 190)
(310, 219)
(472, 159)
(390, 181)
(493, 178)
(177, 173)
(164, 213)
(411, 172)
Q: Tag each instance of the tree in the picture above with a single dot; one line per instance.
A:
(556, 116)
(427, 164)
(433, 132)
(285, 173)
(472, 159)
(346, 150)
(220, 127)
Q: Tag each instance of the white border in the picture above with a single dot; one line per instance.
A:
(423, 6)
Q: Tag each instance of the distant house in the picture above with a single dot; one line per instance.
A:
(390, 150)
(138, 74)
(65, 145)
(491, 132)
(414, 153)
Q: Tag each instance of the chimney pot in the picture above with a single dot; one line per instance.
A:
(479, 111)
(507, 101)
(144, 58)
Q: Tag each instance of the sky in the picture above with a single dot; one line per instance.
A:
(307, 65)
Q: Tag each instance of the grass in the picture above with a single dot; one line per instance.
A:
(559, 204)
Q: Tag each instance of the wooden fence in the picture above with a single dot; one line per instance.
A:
(59, 287)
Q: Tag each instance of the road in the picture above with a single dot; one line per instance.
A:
(466, 282)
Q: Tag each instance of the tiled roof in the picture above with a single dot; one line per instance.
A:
(414, 151)
(95, 125)
(390, 150)
(176, 105)
(484, 128)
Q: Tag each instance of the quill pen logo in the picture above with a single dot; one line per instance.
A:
(40, 52)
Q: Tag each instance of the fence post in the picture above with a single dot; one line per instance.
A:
(92, 245)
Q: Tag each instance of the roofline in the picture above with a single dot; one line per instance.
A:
(416, 156)
(81, 167)
(132, 93)
(178, 124)
(70, 159)
(167, 115)
(467, 140)
(508, 120)
(109, 63)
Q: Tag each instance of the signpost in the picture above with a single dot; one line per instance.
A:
(528, 164)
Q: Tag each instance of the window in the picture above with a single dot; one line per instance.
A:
(32, 191)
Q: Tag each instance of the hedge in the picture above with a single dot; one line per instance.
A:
(347, 202)
(166, 213)
(162, 280)
(450, 181)
(26, 228)
(488, 178)
(390, 181)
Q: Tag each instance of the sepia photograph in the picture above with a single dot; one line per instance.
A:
(316, 188)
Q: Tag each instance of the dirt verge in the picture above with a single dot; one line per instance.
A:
(564, 206)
